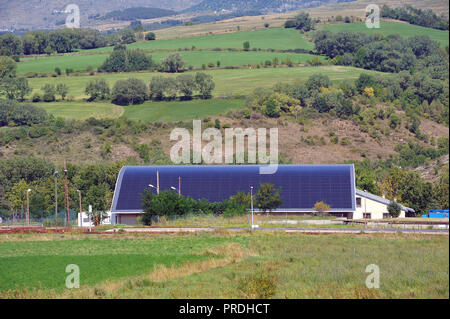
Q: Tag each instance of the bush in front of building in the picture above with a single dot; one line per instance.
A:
(394, 209)
(321, 208)
(169, 204)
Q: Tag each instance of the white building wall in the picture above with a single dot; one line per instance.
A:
(83, 220)
(376, 209)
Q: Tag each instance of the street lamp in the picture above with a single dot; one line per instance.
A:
(176, 189)
(251, 202)
(28, 206)
(154, 187)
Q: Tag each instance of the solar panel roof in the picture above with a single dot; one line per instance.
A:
(301, 185)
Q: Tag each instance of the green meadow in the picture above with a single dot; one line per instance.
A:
(166, 111)
(81, 110)
(79, 63)
(258, 265)
(181, 111)
(232, 81)
(274, 38)
(387, 27)
(35, 264)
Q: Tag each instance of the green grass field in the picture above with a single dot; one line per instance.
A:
(80, 110)
(79, 63)
(181, 111)
(237, 81)
(35, 264)
(274, 38)
(388, 27)
(166, 111)
(278, 265)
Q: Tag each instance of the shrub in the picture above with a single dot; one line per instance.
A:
(268, 198)
(97, 89)
(150, 36)
(205, 84)
(394, 209)
(172, 63)
(131, 91)
(321, 208)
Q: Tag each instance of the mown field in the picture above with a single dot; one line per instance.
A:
(387, 27)
(274, 38)
(278, 39)
(79, 63)
(221, 265)
(236, 81)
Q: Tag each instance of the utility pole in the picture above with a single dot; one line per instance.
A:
(56, 195)
(66, 195)
(179, 186)
(28, 206)
(79, 196)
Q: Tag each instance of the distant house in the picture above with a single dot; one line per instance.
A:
(301, 187)
(371, 206)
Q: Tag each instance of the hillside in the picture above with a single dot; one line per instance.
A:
(38, 14)
(260, 5)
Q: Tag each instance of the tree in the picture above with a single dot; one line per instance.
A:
(131, 91)
(271, 109)
(166, 203)
(441, 189)
(137, 60)
(127, 36)
(17, 197)
(49, 93)
(62, 90)
(99, 196)
(246, 45)
(301, 22)
(394, 209)
(10, 45)
(16, 88)
(268, 198)
(150, 36)
(205, 84)
(157, 87)
(186, 84)
(172, 63)
(317, 81)
(116, 62)
(7, 67)
(97, 89)
(62, 41)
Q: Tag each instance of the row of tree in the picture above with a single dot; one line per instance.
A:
(387, 54)
(123, 60)
(62, 41)
(169, 204)
(135, 91)
(410, 14)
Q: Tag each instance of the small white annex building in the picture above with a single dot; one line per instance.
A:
(371, 206)
(83, 220)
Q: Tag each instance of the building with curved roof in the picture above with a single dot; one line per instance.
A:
(301, 186)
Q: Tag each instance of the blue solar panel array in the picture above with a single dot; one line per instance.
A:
(301, 185)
